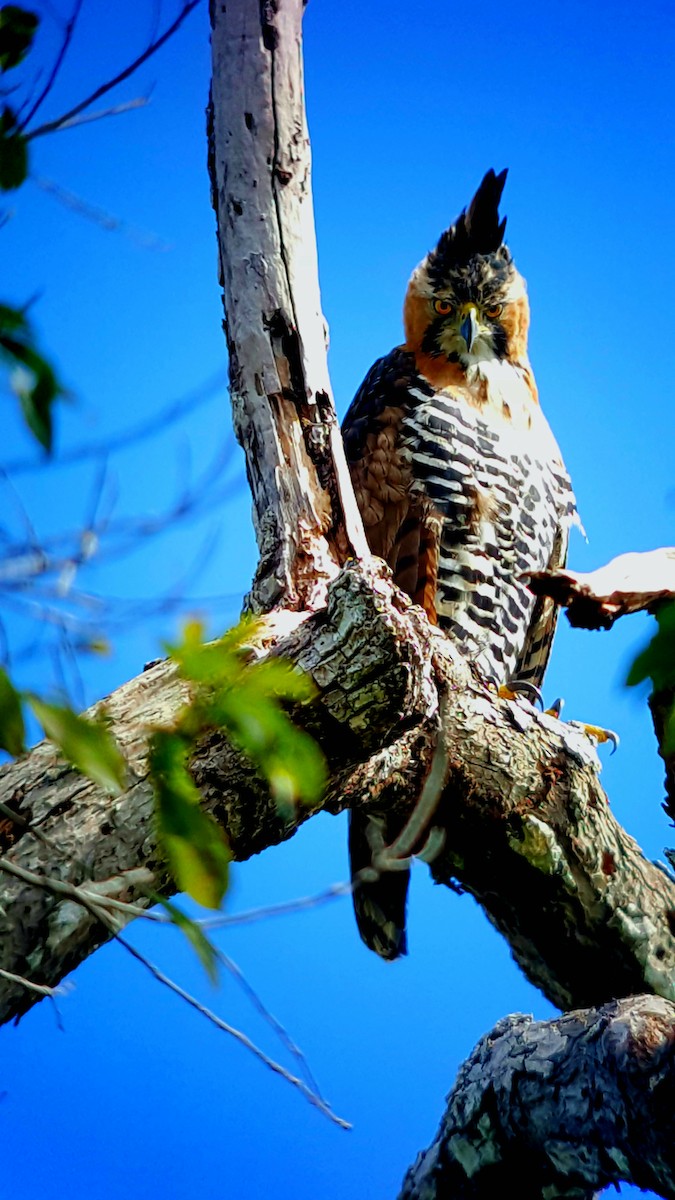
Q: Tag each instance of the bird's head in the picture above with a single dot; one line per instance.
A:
(466, 303)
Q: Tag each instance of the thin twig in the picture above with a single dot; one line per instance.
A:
(40, 988)
(157, 423)
(101, 216)
(403, 846)
(282, 1033)
(28, 826)
(58, 63)
(115, 110)
(240, 1037)
(52, 126)
(92, 902)
(97, 907)
(276, 910)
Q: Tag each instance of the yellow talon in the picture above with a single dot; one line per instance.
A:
(520, 687)
(597, 734)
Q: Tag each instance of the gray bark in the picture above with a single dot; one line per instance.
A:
(595, 600)
(304, 510)
(559, 1109)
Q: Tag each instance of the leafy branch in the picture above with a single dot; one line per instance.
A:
(245, 700)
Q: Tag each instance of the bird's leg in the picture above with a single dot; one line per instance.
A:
(520, 687)
(595, 732)
(516, 687)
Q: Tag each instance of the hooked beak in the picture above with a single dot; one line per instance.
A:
(469, 327)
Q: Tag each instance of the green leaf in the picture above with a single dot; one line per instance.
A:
(12, 319)
(668, 745)
(195, 845)
(277, 677)
(17, 30)
(12, 730)
(657, 660)
(34, 380)
(36, 404)
(213, 664)
(287, 757)
(206, 952)
(86, 744)
(244, 698)
(13, 152)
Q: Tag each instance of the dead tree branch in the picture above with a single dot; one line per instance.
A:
(595, 600)
(67, 119)
(559, 1108)
(627, 584)
(305, 514)
(529, 831)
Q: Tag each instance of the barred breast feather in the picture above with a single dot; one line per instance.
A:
(463, 491)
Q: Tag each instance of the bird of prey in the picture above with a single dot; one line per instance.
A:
(460, 483)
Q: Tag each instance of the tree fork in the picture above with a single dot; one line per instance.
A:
(522, 808)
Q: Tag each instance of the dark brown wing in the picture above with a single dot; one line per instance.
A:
(400, 528)
(537, 648)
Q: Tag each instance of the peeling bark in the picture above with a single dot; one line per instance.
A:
(559, 1109)
(595, 600)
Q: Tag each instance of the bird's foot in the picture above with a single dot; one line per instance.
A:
(596, 733)
(520, 687)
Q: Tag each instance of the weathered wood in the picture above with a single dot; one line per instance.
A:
(305, 515)
(559, 1109)
(596, 599)
(528, 829)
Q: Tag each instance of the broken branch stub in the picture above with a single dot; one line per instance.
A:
(596, 599)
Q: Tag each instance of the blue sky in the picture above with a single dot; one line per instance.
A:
(407, 110)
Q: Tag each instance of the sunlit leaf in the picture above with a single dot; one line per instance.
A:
(277, 677)
(17, 30)
(13, 152)
(12, 730)
(99, 645)
(287, 757)
(88, 745)
(213, 664)
(244, 699)
(194, 933)
(196, 849)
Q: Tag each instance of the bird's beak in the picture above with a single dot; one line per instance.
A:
(469, 326)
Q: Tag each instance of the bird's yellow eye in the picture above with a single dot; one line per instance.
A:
(494, 312)
(443, 307)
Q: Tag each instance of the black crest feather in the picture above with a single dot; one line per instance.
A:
(477, 230)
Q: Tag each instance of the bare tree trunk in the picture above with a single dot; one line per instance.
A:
(304, 510)
(527, 827)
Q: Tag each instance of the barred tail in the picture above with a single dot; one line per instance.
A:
(379, 906)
